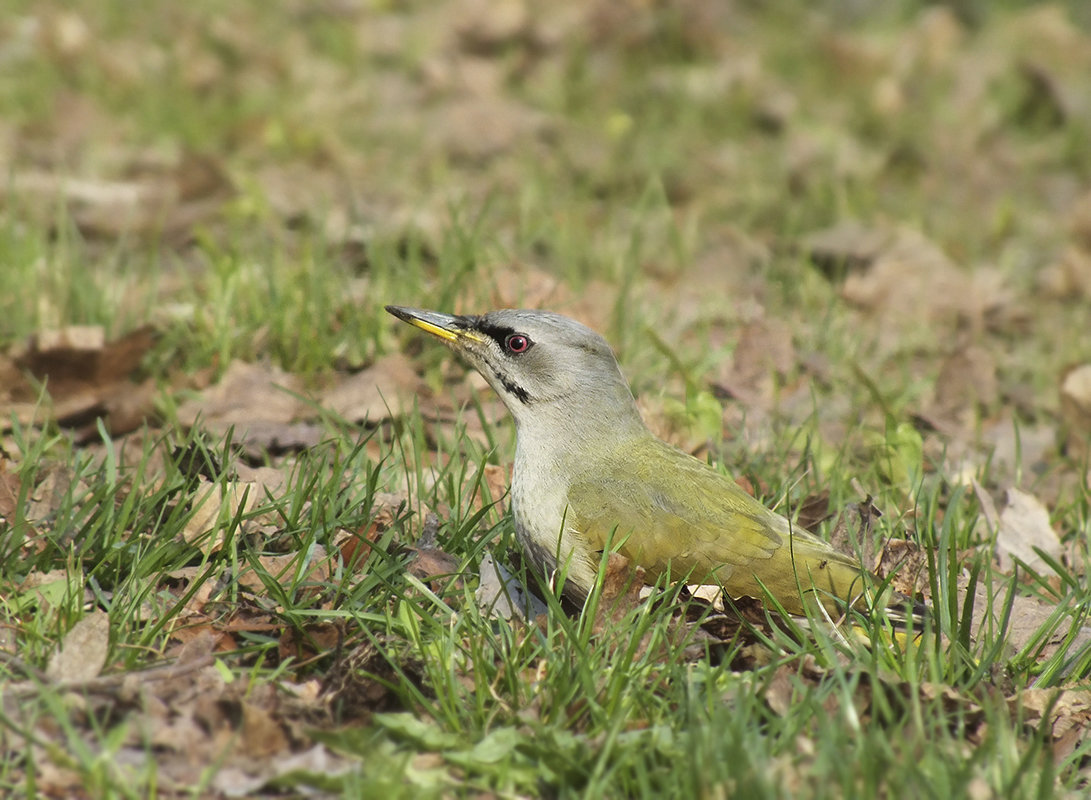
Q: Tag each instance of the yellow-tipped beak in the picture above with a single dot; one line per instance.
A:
(445, 326)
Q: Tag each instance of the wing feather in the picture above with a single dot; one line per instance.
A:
(695, 521)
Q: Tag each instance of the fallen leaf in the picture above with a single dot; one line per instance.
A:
(500, 594)
(385, 390)
(486, 27)
(1027, 619)
(217, 503)
(58, 486)
(780, 691)
(286, 570)
(764, 356)
(1069, 277)
(493, 486)
(814, 510)
(1076, 410)
(851, 533)
(1067, 709)
(456, 128)
(262, 735)
(902, 275)
(10, 488)
(354, 546)
(246, 397)
(429, 563)
(966, 384)
(907, 561)
(1021, 528)
(249, 778)
(85, 378)
(312, 639)
(621, 591)
(162, 199)
(847, 247)
(81, 654)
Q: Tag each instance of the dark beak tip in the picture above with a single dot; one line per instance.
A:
(401, 312)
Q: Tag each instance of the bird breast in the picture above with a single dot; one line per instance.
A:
(539, 506)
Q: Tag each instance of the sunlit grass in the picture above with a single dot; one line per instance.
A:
(644, 171)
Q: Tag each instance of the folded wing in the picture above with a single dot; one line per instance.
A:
(710, 532)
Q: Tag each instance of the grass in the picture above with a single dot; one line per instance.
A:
(663, 206)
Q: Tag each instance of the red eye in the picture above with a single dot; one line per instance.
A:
(517, 343)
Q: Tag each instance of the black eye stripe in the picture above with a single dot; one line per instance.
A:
(498, 333)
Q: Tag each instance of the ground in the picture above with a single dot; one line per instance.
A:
(254, 531)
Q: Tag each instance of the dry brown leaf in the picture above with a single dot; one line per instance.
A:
(621, 591)
(51, 493)
(913, 280)
(846, 247)
(10, 487)
(493, 487)
(85, 377)
(1016, 448)
(780, 690)
(247, 396)
(218, 502)
(905, 277)
(103, 206)
(315, 638)
(1028, 616)
(354, 546)
(813, 510)
(1069, 277)
(57, 779)
(764, 356)
(178, 583)
(1069, 713)
(966, 383)
(384, 390)
(908, 562)
(1076, 410)
(154, 199)
(487, 26)
(430, 563)
(456, 127)
(1021, 527)
(81, 654)
(262, 734)
(317, 760)
(285, 568)
(1067, 707)
(851, 533)
(304, 194)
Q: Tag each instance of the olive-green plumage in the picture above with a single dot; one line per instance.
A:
(713, 532)
(590, 475)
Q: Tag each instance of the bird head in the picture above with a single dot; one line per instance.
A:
(543, 365)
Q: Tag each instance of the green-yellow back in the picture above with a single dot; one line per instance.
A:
(671, 511)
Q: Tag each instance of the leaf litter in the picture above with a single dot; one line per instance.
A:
(899, 276)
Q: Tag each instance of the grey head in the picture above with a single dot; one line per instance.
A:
(547, 368)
